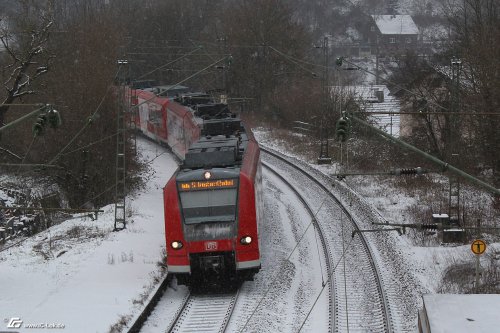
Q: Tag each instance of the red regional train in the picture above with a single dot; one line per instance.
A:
(212, 203)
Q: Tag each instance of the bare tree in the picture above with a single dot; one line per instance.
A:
(265, 39)
(23, 62)
(476, 24)
(423, 88)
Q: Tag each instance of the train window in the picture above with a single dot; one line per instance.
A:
(155, 116)
(209, 206)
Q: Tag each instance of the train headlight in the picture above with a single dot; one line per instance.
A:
(176, 245)
(207, 175)
(246, 240)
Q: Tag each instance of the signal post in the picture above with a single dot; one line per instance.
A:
(478, 247)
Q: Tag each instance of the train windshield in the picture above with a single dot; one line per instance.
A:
(217, 205)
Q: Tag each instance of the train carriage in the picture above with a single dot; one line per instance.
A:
(212, 209)
(212, 203)
(164, 120)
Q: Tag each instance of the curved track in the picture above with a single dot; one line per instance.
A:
(357, 300)
(360, 300)
(324, 243)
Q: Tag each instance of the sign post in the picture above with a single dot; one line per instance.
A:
(478, 247)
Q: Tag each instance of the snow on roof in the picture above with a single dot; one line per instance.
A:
(368, 99)
(463, 313)
(395, 24)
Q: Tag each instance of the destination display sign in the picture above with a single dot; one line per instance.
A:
(197, 185)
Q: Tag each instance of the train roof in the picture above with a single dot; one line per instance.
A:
(220, 150)
(170, 91)
(223, 140)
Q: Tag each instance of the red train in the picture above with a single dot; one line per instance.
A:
(164, 120)
(212, 203)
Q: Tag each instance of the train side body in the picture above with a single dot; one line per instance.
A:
(165, 121)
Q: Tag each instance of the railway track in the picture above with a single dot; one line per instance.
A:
(360, 301)
(357, 300)
(205, 313)
(191, 312)
(324, 243)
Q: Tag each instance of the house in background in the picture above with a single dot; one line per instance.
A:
(390, 35)
(377, 99)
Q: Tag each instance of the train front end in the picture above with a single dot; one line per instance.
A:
(211, 225)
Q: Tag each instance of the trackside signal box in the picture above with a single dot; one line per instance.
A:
(449, 235)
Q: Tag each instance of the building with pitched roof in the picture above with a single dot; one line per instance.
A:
(390, 35)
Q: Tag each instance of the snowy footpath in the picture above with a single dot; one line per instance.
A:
(80, 276)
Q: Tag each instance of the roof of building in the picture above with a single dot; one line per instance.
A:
(368, 96)
(463, 313)
(395, 24)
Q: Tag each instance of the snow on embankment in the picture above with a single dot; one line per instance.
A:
(80, 274)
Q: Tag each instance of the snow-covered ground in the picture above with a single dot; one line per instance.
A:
(85, 277)
(284, 291)
(425, 264)
(80, 274)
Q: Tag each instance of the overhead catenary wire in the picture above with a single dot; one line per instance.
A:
(297, 61)
(168, 63)
(323, 287)
(291, 59)
(180, 82)
(27, 153)
(90, 144)
(359, 67)
(88, 122)
(26, 116)
(274, 279)
(114, 185)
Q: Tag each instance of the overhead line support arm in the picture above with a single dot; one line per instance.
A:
(444, 165)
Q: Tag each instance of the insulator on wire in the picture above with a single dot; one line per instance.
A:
(48, 115)
(408, 171)
(54, 118)
(430, 226)
(39, 125)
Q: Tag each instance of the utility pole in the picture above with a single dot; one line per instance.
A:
(120, 172)
(453, 144)
(225, 67)
(377, 55)
(324, 157)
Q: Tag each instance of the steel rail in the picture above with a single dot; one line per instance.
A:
(139, 320)
(388, 324)
(326, 250)
(206, 313)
